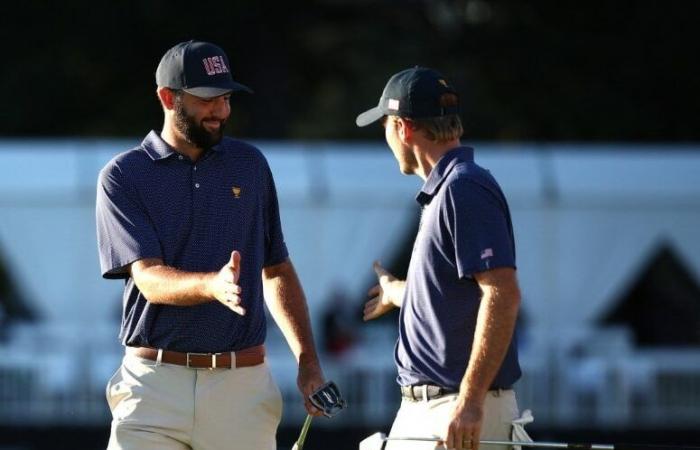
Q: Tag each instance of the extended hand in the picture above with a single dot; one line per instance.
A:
(385, 296)
(309, 379)
(223, 286)
(464, 428)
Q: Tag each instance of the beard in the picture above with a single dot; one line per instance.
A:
(194, 132)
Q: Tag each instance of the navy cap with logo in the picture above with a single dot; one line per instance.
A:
(199, 68)
(412, 93)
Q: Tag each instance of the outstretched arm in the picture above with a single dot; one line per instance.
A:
(386, 295)
(164, 284)
(285, 299)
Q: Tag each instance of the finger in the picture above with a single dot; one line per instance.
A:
(233, 289)
(450, 439)
(311, 409)
(370, 311)
(461, 440)
(468, 443)
(374, 291)
(235, 264)
(459, 444)
(306, 390)
(456, 439)
(228, 275)
(465, 438)
(372, 304)
(232, 299)
(379, 270)
(238, 309)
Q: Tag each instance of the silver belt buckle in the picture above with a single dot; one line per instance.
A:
(213, 360)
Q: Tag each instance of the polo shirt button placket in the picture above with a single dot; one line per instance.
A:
(194, 175)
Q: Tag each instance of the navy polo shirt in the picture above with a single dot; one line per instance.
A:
(465, 228)
(155, 203)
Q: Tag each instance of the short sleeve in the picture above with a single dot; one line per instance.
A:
(480, 227)
(124, 232)
(275, 247)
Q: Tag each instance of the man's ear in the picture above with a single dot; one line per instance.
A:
(404, 129)
(166, 97)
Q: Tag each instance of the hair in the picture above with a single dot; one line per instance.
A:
(177, 96)
(442, 128)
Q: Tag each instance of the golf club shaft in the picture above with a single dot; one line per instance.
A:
(522, 444)
(551, 445)
(302, 436)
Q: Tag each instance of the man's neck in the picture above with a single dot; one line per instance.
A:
(430, 153)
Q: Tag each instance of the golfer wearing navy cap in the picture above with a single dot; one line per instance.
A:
(456, 352)
(190, 220)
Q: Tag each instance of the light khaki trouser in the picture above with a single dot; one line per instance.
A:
(430, 419)
(162, 406)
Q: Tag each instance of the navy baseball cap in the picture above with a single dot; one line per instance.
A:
(199, 68)
(412, 93)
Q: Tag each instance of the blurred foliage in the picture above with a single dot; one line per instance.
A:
(546, 71)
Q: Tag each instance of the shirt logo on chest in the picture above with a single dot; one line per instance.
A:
(236, 190)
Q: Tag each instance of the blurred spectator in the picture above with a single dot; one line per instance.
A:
(338, 325)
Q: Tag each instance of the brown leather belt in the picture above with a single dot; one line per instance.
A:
(247, 357)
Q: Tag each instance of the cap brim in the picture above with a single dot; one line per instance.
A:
(369, 116)
(209, 91)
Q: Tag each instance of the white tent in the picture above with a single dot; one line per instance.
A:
(586, 220)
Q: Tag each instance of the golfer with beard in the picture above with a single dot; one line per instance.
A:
(190, 220)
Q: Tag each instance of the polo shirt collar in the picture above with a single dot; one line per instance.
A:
(441, 170)
(157, 148)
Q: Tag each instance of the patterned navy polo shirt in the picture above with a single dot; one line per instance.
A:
(465, 229)
(155, 203)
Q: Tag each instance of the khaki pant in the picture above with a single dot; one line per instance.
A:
(162, 406)
(430, 419)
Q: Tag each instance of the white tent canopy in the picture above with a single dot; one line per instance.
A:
(586, 218)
